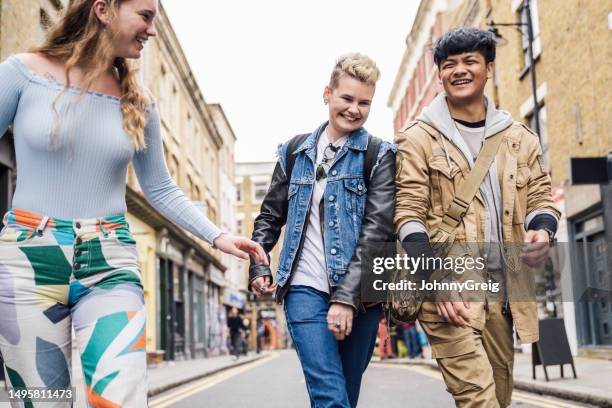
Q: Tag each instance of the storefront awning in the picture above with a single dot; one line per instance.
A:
(232, 297)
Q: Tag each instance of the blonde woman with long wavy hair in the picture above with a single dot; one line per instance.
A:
(67, 258)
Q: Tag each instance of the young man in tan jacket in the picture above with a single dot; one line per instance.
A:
(473, 341)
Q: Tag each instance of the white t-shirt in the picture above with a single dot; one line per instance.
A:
(311, 269)
(473, 137)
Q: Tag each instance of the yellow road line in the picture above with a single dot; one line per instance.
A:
(173, 397)
(523, 396)
(516, 395)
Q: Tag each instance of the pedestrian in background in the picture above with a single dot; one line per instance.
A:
(236, 332)
(260, 333)
(410, 338)
(67, 257)
(385, 350)
(333, 191)
(246, 334)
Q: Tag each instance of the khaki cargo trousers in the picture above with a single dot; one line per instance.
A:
(476, 363)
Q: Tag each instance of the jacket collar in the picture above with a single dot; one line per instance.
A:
(358, 140)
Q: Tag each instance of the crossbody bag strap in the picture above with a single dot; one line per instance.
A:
(466, 192)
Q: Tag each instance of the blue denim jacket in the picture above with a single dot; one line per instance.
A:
(344, 201)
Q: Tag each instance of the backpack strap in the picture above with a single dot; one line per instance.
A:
(370, 158)
(292, 146)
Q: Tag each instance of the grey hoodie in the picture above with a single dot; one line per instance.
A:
(438, 116)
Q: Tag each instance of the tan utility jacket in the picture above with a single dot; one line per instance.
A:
(426, 187)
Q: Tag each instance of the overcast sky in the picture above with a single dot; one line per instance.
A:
(267, 62)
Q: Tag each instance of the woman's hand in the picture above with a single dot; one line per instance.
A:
(263, 285)
(241, 247)
(340, 320)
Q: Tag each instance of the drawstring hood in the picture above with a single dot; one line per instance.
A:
(438, 116)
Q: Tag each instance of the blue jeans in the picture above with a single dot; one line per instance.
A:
(332, 368)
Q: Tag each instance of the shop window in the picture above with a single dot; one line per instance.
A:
(239, 227)
(239, 192)
(260, 188)
(543, 133)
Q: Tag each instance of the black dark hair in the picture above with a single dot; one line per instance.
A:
(464, 39)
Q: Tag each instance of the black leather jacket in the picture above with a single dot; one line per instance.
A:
(376, 226)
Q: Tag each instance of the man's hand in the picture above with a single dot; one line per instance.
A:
(340, 320)
(241, 247)
(535, 252)
(456, 313)
(263, 285)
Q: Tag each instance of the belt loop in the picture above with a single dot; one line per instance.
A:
(101, 221)
(42, 225)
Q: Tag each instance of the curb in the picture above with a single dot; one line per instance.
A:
(540, 389)
(575, 396)
(163, 388)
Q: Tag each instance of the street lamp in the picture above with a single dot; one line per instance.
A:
(502, 41)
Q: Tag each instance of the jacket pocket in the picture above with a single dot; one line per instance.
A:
(356, 185)
(523, 174)
(355, 198)
(16, 233)
(449, 341)
(355, 194)
(442, 183)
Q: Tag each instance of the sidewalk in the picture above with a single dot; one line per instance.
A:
(592, 385)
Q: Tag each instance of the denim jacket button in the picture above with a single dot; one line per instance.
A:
(334, 172)
(332, 198)
(333, 251)
(331, 223)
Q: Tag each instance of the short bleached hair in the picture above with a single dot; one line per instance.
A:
(358, 66)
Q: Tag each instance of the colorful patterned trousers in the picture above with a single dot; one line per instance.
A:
(58, 274)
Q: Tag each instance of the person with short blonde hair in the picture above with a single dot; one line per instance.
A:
(333, 190)
(356, 65)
